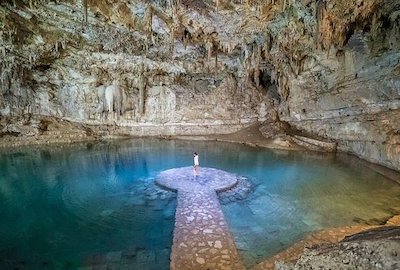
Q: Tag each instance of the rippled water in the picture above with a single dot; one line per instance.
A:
(96, 204)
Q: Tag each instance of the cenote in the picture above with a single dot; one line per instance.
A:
(66, 207)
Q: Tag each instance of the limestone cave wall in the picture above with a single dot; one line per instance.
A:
(119, 62)
(323, 69)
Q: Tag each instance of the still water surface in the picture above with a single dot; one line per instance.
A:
(96, 203)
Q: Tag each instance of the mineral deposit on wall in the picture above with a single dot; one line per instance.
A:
(316, 72)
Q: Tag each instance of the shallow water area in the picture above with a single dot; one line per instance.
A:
(297, 193)
(96, 204)
(65, 207)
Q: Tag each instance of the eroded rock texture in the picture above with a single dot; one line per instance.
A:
(372, 249)
(327, 70)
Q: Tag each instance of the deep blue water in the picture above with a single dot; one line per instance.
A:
(95, 204)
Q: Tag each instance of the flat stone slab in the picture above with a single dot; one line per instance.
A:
(184, 179)
(202, 239)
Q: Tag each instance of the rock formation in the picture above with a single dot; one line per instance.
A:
(372, 249)
(320, 73)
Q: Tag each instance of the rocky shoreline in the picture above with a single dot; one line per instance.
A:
(307, 253)
(51, 131)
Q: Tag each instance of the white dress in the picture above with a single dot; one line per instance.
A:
(196, 160)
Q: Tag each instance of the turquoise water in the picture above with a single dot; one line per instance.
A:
(298, 193)
(96, 204)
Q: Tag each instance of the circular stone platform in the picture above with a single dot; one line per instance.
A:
(208, 178)
(202, 240)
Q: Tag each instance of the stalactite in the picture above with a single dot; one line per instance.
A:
(174, 8)
(118, 99)
(170, 4)
(148, 19)
(172, 39)
(109, 100)
(142, 90)
(321, 11)
(248, 61)
(209, 47)
(85, 11)
(216, 60)
(227, 46)
(274, 76)
(63, 43)
(3, 46)
(147, 25)
(283, 87)
(257, 66)
(217, 4)
(246, 54)
(301, 64)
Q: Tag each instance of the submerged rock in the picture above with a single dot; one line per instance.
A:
(237, 193)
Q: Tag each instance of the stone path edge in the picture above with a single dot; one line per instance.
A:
(202, 239)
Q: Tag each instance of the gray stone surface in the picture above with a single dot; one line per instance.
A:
(373, 250)
(202, 239)
(208, 179)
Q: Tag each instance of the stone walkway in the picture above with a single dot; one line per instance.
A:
(202, 239)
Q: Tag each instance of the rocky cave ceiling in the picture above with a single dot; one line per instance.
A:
(320, 69)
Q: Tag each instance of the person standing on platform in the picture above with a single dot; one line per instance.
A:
(196, 163)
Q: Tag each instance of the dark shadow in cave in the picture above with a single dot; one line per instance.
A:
(270, 87)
